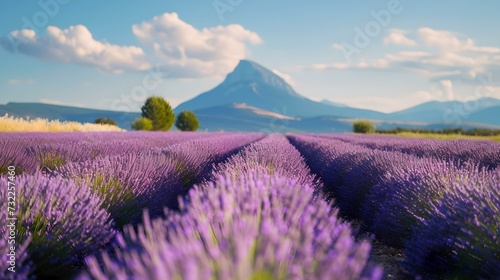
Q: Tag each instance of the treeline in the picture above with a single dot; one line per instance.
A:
(470, 132)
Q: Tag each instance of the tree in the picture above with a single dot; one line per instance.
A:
(187, 121)
(142, 124)
(159, 112)
(363, 127)
(109, 121)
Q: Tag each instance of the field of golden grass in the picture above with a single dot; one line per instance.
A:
(12, 124)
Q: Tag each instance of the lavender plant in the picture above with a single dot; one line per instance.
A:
(64, 222)
(484, 153)
(257, 226)
(195, 157)
(461, 237)
(273, 155)
(19, 266)
(13, 153)
(125, 190)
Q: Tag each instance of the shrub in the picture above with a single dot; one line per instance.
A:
(363, 127)
(159, 112)
(105, 121)
(142, 124)
(187, 121)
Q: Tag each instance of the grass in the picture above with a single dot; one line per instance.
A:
(445, 136)
(119, 200)
(12, 124)
(49, 162)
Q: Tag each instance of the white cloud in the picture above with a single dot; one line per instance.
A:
(447, 87)
(443, 39)
(76, 45)
(442, 55)
(285, 77)
(338, 47)
(442, 91)
(17, 82)
(360, 65)
(398, 37)
(188, 52)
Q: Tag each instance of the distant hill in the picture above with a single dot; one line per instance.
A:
(66, 113)
(435, 111)
(241, 117)
(490, 115)
(331, 103)
(253, 98)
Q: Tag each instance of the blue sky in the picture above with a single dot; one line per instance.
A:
(381, 55)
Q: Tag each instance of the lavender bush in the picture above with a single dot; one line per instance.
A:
(273, 155)
(14, 153)
(64, 222)
(121, 182)
(257, 226)
(461, 237)
(484, 153)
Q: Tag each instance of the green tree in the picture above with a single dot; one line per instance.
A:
(187, 121)
(363, 127)
(109, 121)
(142, 124)
(159, 112)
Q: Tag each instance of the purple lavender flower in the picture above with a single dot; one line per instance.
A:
(257, 225)
(64, 222)
(273, 155)
(461, 237)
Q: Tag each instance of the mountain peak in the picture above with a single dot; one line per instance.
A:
(252, 72)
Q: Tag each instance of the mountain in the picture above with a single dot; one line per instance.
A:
(490, 115)
(256, 86)
(252, 98)
(331, 103)
(436, 111)
(241, 117)
(66, 113)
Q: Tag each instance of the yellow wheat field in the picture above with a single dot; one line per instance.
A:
(12, 124)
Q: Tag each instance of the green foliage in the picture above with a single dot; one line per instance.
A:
(119, 200)
(187, 121)
(50, 161)
(159, 112)
(186, 176)
(7, 161)
(262, 275)
(363, 127)
(142, 124)
(109, 121)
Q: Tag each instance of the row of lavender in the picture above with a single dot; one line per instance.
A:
(66, 212)
(484, 153)
(445, 215)
(257, 216)
(31, 152)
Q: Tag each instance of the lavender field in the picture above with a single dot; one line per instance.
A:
(142, 205)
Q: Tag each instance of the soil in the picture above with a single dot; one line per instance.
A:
(381, 254)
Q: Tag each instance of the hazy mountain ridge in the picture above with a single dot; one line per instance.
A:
(253, 98)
